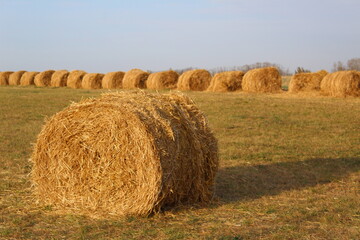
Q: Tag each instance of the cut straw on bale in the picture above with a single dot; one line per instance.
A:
(196, 80)
(74, 79)
(162, 80)
(15, 77)
(4, 77)
(28, 78)
(43, 79)
(59, 78)
(341, 84)
(129, 153)
(113, 80)
(262, 80)
(226, 81)
(135, 78)
(92, 81)
(306, 82)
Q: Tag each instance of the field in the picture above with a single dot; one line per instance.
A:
(290, 169)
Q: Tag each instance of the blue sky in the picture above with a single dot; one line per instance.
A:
(109, 35)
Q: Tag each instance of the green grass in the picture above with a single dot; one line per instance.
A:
(290, 169)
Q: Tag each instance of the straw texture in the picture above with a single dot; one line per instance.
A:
(43, 79)
(341, 84)
(74, 79)
(59, 78)
(28, 78)
(262, 80)
(135, 78)
(129, 153)
(162, 80)
(226, 81)
(4, 77)
(306, 82)
(14, 78)
(92, 81)
(113, 80)
(196, 80)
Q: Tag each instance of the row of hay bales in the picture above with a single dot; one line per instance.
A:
(257, 80)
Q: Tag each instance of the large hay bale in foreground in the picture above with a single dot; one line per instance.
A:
(341, 84)
(125, 153)
(162, 80)
(306, 82)
(196, 80)
(135, 78)
(75, 78)
(59, 78)
(28, 78)
(15, 77)
(262, 80)
(92, 81)
(226, 81)
(43, 79)
(113, 80)
(4, 77)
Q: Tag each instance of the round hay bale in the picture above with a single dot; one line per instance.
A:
(43, 79)
(74, 79)
(4, 77)
(28, 78)
(341, 84)
(196, 80)
(162, 80)
(135, 78)
(113, 80)
(262, 80)
(15, 77)
(129, 153)
(92, 81)
(226, 81)
(306, 82)
(59, 78)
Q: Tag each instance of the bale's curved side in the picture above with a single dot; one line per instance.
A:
(125, 153)
(262, 80)
(4, 77)
(59, 78)
(196, 80)
(43, 79)
(15, 77)
(306, 82)
(341, 84)
(28, 78)
(113, 80)
(74, 79)
(162, 80)
(135, 78)
(226, 81)
(92, 81)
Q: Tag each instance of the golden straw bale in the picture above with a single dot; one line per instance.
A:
(28, 78)
(196, 80)
(113, 80)
(262, 80)
(59, 78)
(43, 79)
(135, 78)
(15, 77)
(162, 80)
(75, 78)
(306, 82)
(128, 153)
(226, 81)
(4, 77)
(341, 84)
(92, 81)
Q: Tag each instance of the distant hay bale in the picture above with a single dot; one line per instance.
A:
(113, 80)
(129, 153)
(196, 80)
(15, 77)
(4, 77)
(28, 78)
(74, 79)
(92, 81)
(262, 80)
(59, 78)
(306, 82)
(226, 81)
(341, 84)
(135, 78)
(43, 79)
(162, 80)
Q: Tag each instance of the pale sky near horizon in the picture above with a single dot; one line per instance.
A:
(109, 35)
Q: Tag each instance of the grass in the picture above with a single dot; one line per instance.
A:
(290, 169)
